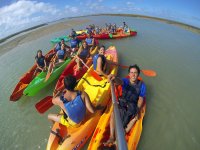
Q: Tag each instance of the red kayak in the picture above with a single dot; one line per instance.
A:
(71, 69)
(119, 34)
(25, 80)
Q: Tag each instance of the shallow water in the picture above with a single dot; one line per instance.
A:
(171, 120)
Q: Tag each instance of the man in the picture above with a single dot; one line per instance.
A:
(73, 103)
(130, 102)
(100, 62)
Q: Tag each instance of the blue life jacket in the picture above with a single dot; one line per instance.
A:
(84, 53)
(75, 108)
(61, 54)
(58, 46)
(89, 40)
(40, 61)
(95, 61)
(73, 43)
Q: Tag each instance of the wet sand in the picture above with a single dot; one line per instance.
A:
(39, 32)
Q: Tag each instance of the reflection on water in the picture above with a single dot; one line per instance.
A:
(171, 120)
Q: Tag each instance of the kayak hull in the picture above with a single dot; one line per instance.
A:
(102, 131)
(25, 80)
(39, 82)
(76, 137)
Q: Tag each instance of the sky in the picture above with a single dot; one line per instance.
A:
(16, 15)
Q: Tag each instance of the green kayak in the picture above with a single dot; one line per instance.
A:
(39, 83)
(58, 39)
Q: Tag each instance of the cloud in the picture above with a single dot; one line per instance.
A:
(22, 13)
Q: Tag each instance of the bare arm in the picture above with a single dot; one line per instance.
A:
(115, 79)
(88, 103)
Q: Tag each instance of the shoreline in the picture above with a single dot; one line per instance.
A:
(180, 24)
(35, 33)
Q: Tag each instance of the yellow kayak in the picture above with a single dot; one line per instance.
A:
(101, 133)
(99, 93)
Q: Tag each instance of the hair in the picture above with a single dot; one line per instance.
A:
(70, 82)
(37, 53)
(136, 67)
(102, 46)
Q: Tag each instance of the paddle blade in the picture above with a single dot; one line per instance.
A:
(150, 73)
(96, 76)
(43, 105)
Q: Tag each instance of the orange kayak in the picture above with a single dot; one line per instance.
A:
(25, 80)
(74, 137)
(102, 131)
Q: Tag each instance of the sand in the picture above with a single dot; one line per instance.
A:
(39, 32)
(44, 29)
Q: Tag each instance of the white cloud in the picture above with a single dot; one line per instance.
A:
(22, 13)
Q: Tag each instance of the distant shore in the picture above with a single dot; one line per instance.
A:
(182, 25)
(45, 29)
(39, 31)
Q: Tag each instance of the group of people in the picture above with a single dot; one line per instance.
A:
(109, 28)
(133, 89)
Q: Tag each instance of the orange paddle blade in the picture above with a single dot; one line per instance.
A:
(96, 76)
(43, 105)
(150, 73)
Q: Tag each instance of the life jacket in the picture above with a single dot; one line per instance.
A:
(84, 52)
(95, 61)
(61, 54)
(130, 96)
(89, 40)
(75, 108)
(58, 46)
(73, 43)
(40, 61)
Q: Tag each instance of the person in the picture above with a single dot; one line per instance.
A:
(130, 102)
(59, 59)
(74, 44)
(73, 33)
(100, 63)
(90, 41)
(83, 53)
(125, 27)
(73, 103)
(40, 62)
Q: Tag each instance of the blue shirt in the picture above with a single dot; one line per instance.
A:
(142, 88)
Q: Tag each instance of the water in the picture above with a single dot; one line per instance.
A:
(171, 120)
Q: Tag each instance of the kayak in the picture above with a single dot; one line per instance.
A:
(102, 36)
(71, 69)
(25, 80)
(66, 38)
(99, 93)
(101, 133)
(39, 82)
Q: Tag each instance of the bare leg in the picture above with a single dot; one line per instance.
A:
(54, 118)
(130, 124)
(112, 132)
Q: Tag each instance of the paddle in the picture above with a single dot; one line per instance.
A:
(93, 73)
(149, 73)
(50, 68)
(43, 105)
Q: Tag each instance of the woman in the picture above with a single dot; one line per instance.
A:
(40, 62)
(83, 53)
